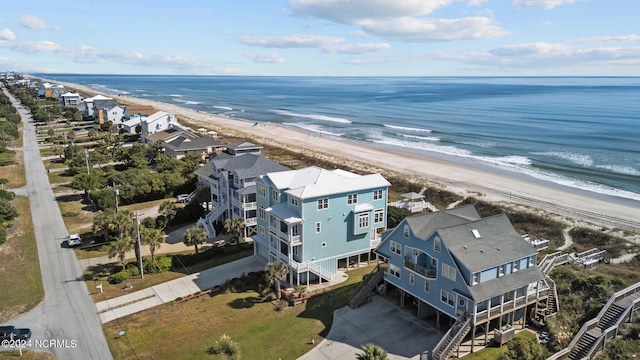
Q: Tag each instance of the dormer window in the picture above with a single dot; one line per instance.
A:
(502, 269)
(406, 231)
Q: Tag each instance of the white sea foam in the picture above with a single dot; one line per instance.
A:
(223, 107)
(313, 116)
(428, 138)
(312, 128)
(578, 159)
(426, 146)
(478, 143)
(175, 95)
(405, 128)
(620, 169)
(188, 102)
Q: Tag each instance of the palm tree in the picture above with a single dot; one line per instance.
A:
(372, 352)
(195, 236)
(168, 209)
(51, 133)
(102, 224)
(234, 226)
(119, 248)
(276, 272)
(152, 237)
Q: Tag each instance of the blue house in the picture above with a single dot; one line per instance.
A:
(317, 221)
(477, 272)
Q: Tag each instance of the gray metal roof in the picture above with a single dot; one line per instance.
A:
(283, 212)
(501, 285)
(498, 243)
(105, 103)
(198, 143)
(248, 165)
(205, 170)
(412, 196)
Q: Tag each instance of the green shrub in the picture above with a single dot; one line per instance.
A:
(3, 235)
(225, 346)
(118, 277)
(7, 195)
(133, 270)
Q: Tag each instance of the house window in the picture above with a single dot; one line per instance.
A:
(261, 213)
(262, 191)
(476, 279)
(516, 266)
(426, 286)
(294, 202)
(532, 260)
(412, 278)
(363, 220)
(318, 228)
(378, 216)
(352, 199)
(501, 270)
(434, 263)
(261, 230)
(323, 204)
(396, 248)
(406, 231)
(377, 195)
(437, 244)
(275, 195)
(394, 270)
(447, 297)
(449, 272)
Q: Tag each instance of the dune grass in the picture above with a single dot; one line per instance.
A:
(21, 282)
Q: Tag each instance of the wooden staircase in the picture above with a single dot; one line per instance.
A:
(366, 287)
(588, 339)
(452, 338)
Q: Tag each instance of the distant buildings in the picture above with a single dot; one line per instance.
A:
(316, 220)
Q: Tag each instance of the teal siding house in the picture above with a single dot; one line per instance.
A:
(317, 221)
(453, 265)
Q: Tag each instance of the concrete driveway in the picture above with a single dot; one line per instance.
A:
(381, 322)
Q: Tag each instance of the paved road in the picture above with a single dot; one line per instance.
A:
(68, 314)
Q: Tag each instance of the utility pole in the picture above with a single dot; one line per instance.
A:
(86, 157)
(117, 192)
(139, 247)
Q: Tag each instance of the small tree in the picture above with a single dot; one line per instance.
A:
(276, 272)
(235, 227)
(152, 237)
(119, 249)
(195, 236)
(372, 352)
(168, 209)
(225, 346)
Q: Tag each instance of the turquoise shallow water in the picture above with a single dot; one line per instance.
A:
(579, 132)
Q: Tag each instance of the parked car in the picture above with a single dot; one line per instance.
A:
(182, 198)
(74, 240)
(21, 334)
(5, 332)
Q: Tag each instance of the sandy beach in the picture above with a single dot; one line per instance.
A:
(494, 185)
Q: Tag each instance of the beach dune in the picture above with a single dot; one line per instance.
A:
(493, 185)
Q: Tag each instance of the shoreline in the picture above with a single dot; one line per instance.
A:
(495, 185)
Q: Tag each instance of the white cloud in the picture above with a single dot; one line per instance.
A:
(6, 34)
(353, 11)
(547, 4)
(291, 41)
(34, 23)
(35, 47)
(401, 20)
(269, 57)
(623, 38)
(543, 56)
(357, 48)
(426, 30)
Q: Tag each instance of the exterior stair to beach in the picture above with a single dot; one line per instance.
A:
(452, 338)
(592, 335)
(212, 216)
(365, 288)
(552, 300)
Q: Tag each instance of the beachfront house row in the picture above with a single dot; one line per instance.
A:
(477, 271)
(232, 183)
(158, 121)
(317, 221)
(87, 110)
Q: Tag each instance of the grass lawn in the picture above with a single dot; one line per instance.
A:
(19, 255)
(26, 355)
(76, 217)
(59, 177)
(492, 353)
(98, 275)
(14, 173)
(141, 207)
(188, 329)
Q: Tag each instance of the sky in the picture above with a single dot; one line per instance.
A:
(322, 37)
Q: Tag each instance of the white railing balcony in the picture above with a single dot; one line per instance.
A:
(296, 240)
(250, 205)
(251, 222)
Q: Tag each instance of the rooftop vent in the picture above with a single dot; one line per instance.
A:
(475, 233)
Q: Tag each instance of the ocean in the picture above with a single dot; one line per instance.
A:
(581, 132)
